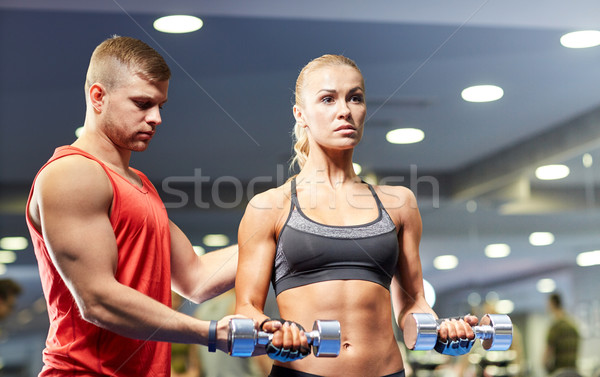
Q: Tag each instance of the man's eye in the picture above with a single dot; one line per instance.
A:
(142, 105)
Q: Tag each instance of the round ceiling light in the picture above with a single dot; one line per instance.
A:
(497, 250)
(178, 24)
(482, 93)
(551, 172)
(581, 39)
(541, 238)
(405, 136)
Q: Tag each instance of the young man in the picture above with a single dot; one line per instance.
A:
(9, 291)
(108, 255)
(562, 339)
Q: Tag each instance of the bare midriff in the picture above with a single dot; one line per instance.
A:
(368, 346)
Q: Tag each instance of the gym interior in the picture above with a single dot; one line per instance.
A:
(499, 235)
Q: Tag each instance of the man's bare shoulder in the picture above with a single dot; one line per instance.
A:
(74, 177)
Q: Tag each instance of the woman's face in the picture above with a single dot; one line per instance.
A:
(334, 109)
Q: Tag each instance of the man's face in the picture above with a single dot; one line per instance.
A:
(132, 112)
(7, 306)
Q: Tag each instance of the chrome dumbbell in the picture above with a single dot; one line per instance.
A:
(494, 330)
(325, 338)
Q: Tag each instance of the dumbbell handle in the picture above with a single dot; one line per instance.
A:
(483, 332)
(263, 337)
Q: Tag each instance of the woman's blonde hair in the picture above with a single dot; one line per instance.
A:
(300, 137)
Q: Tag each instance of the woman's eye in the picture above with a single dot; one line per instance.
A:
(327, 99)
(356, 99)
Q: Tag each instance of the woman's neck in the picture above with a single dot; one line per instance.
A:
(332, 169)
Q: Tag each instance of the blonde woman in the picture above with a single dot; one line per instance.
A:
(333, 246)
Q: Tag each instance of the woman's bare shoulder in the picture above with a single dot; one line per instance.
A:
(395, 196)
(270, 207)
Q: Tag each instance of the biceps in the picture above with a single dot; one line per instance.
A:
(83, 248)
(185, 264)
(255, 264)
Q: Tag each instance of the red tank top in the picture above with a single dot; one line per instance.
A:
(79, 348)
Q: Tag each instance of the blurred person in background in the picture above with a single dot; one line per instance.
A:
(562, 340)
(9, 291)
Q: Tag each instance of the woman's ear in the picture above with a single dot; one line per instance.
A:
(299, 116)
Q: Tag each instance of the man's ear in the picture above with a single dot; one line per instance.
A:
(97, 93)
(297, 110)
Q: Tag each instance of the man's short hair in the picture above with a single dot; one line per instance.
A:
(114, 54)
(556, 300)
(9, 288)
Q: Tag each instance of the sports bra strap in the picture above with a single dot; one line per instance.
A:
(375, 195)
(295, 203)
(293, 187)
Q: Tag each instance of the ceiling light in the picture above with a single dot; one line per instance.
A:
(13, 243)
(429, 293)
(482, 93)
(178, 24)
(504, 306)
(357, 168)
(550, 172)
(581, 39)
(545, 285)
(587, 160)
(492, 297)
(216, 240)
(474, 299)
(7, 256)
(199, 250)
(471, 206)
(541, 238)
(405, 136)
(497, 250)
(588, 258)
(445, 262)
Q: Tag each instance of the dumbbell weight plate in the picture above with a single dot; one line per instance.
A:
(502, 326)
(326, 338)
(243, 331)
(420, 331)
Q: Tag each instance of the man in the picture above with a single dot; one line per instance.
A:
(9, 290)
(107, 253)
(562, 341)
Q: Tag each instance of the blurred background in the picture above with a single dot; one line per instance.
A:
(498, 231)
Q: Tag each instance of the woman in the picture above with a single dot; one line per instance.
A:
(334, 246)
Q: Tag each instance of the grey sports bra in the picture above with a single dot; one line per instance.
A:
(309, 252)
